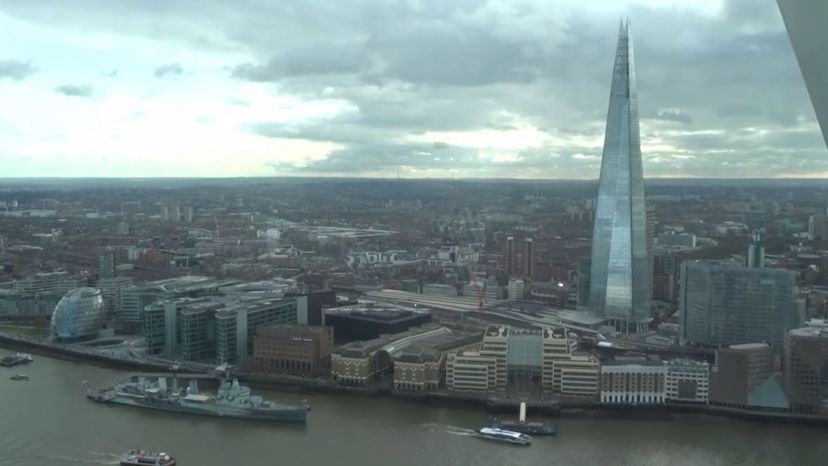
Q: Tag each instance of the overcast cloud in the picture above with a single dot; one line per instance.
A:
(467, 88)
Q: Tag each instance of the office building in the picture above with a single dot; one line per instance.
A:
(633, 380)
(111, 289)
(516, 289)
(209, 328)
(528, 258)
(722, 304)
(666, 273)
(806, 368)
(236, 326)
(580, 376)
(304, 349)
(106, 264)
(818, 227)
(59, 282)
(756, 251)
(510, 254)
(687, 381)
(495, 344)
(78, 316)
(583, 271)
(620, 266)
(133, 300)
(558, 345)
(471, 371)
(309, 305)
(16, 304)
(739, 370)
(160, 328)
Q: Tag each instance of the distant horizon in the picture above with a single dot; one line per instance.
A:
(368, 178)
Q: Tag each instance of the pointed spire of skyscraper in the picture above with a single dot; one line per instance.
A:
(619, 282)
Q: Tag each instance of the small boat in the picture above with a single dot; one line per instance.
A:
(503, 435)
(16, 359)
(19, 377)
(146, 458)
(25, 358)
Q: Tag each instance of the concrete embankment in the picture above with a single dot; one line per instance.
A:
(563, 408)
(71, 353)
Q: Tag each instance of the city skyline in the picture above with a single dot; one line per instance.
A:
(496, 90)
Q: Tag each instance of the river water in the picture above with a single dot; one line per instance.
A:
(48, 421)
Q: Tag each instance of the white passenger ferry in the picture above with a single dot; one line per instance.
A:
(503, 435)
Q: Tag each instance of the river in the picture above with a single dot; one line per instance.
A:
(48, 421)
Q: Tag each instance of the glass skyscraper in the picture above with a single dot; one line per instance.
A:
(619, 271)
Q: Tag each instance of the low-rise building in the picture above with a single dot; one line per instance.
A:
(358, 364)
(687, 380)
(418, 368)
(633, 380)
(293, 348)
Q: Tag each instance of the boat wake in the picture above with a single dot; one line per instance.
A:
(459, 431)
(113, 459)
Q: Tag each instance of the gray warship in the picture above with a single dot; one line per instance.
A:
(232, 400)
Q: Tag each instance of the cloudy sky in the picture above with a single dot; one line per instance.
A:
(423, 88)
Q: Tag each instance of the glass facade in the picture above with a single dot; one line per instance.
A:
(78, 316)
(619, 275)
(728, 305)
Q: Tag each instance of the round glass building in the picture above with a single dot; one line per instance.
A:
(78, 316)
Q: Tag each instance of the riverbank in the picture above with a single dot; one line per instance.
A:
(582, 409)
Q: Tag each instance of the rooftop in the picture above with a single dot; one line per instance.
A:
(430, 335)
(580, 317)
(750, 346)
(814, 332)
